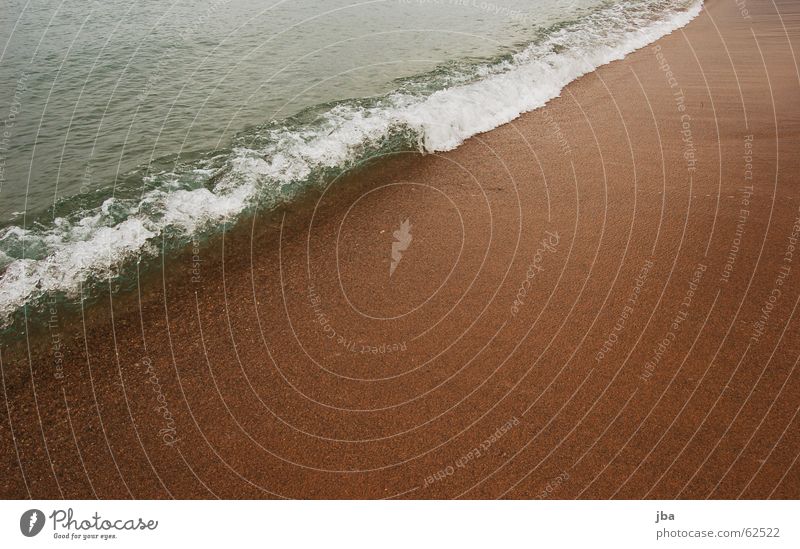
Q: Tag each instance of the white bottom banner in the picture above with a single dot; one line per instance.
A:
(400, 524)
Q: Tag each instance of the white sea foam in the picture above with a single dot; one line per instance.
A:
(97, 242)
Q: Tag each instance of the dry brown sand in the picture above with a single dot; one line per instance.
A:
(645, 218)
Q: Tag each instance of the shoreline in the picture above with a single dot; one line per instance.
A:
(525, 258)
(299, 154)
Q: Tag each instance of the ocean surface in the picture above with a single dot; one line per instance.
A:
(130, 128)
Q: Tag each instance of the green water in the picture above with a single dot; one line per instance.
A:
(100, 88)
(130, 128)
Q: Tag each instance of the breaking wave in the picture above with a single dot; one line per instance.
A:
(93, 237)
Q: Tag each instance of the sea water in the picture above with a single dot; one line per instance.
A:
(128, 128)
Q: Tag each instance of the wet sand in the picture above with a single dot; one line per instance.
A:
(597, 300)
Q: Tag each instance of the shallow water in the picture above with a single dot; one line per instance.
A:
(97, 77)
(127, 123)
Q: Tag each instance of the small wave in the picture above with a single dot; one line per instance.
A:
(434, 112)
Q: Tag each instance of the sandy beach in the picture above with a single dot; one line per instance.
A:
(597, 300)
